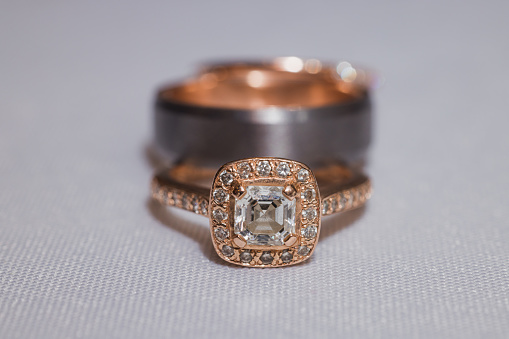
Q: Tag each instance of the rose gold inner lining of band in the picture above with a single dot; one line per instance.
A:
(240, 86)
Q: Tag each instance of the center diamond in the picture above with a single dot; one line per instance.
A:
(264, 216)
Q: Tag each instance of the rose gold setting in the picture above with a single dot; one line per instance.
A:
(291, 191)
(239, 241)
(299, 184)
(291, 241)
(251, 86)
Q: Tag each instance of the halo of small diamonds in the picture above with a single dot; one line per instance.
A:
(309, 232)
(303, 250)
(297, 185)
(228, 250)
(286, 257)
(244, 169)
(302, 175)
(221, 233)
(283, 169)
(220, 196)
(219, 215)
(263, 168)
(246, 257)
(266, 258)
(227, 178)
(309, 214)
(308, 194)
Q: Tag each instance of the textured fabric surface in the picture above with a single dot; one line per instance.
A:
(84, 253)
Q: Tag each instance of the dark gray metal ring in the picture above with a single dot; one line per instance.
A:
(305, 111)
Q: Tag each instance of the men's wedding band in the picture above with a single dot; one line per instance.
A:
(293, 108)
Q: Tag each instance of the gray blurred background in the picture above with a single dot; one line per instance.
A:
(84, 253)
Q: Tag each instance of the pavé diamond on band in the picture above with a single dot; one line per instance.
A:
(264, 212)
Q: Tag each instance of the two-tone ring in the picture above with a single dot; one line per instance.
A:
(264, 212)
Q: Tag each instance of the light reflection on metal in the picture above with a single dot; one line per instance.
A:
(255, 79)
(208, 80)
(313, 66)
(290, 64)
(342, 65)
(346, 72)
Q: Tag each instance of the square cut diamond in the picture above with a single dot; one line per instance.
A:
(264, 216)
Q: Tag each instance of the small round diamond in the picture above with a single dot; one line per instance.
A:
(283, 169)
(164, 195)
(286, 257)
(219, 215)
(228, 250)
(325, 206)
(246, 257)
(204, 207)
(309, 214)
(195, 203)
(220, 196)
(302, 175)
(309, 232)
(226, 178)
(360, 196)
(334, 204)
(303, 250)
(244, 170)
(308, 194)
(368, 193)
(221, 233)
(266, 258)
(264, 168)
(185, 200)
(175, 197)
(342, 201)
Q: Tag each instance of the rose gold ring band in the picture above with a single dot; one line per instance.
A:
(263, 212)
(279, 118)
(342, 189)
